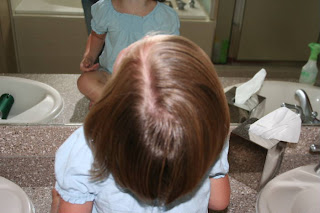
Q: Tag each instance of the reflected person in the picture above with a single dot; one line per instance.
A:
(116, 24)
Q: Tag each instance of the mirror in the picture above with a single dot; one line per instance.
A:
(241, 37)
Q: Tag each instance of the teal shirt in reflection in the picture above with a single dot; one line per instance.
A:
(124, 29)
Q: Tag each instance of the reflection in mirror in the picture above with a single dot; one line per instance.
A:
(75, 105)
(28, 101)
(303, 99)
(241, 37)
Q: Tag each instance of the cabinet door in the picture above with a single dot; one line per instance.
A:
(276, 30)
(50, 44)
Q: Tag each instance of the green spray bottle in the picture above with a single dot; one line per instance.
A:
(310, 70)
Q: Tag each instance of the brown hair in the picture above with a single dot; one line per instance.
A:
(162, 120)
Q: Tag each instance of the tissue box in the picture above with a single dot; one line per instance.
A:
(254, 107)
(252, 161)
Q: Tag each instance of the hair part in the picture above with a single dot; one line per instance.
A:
(162, 121)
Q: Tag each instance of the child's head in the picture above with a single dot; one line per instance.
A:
(162, 120)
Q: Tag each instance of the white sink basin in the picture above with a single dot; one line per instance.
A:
(278, 92)
(295, 191)
(34, 102)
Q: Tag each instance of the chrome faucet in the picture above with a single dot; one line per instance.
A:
(309, 116)
(315, 149)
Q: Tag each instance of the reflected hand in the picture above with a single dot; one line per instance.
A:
(87, 65)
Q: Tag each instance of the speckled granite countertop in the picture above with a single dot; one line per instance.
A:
(27, 158)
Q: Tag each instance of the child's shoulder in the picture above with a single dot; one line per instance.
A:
(102, 11)
(76, 143)
(165, 19)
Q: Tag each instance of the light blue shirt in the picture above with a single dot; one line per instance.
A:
(73, 162)
(124, 29)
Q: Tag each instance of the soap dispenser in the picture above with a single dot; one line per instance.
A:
(310, 70)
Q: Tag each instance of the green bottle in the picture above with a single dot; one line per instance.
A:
(310, 70)
(6, 102)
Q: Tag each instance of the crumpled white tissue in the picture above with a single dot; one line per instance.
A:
(250, 104)
(282, 124)
(246, 90)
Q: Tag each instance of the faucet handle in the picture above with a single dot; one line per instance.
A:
(314, 148)
(314, 114)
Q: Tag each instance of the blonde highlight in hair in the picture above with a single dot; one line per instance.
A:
(162, 121)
